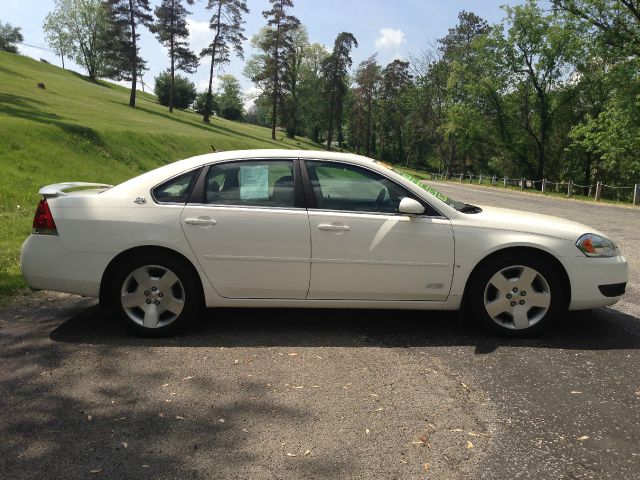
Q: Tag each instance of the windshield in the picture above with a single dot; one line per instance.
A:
(459, 206)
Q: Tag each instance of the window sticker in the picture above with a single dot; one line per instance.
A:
(254, 182)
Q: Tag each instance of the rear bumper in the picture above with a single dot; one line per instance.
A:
(47, 265)
(596, 282)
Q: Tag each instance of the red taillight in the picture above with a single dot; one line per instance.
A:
(43, 223)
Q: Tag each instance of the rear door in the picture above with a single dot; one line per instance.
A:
(363, 248)
(249, 229)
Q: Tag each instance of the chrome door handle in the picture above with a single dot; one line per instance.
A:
(200, 221)
(327, 227)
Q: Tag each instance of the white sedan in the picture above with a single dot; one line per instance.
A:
(282, 228)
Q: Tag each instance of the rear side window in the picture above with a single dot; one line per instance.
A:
(177, 189)
(251, 183)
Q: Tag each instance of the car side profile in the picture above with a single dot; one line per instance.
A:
(285, 228)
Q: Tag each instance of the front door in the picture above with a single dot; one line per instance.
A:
(249, 234)
(364, 249)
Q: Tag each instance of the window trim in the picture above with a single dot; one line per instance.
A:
(198, 194)
(312, 203)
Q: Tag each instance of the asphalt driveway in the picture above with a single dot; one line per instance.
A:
(257, 394)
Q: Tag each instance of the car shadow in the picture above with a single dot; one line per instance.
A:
(601, 329)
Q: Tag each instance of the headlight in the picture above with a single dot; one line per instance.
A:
(593, 245)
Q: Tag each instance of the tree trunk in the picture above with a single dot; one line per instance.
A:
(369, 121)
(172, 90)
(134, 62)
(331, 105)
(276, 86)
(214, 46)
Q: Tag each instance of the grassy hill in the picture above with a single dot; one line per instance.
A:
(79, 130)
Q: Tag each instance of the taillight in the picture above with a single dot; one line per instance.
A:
(43, 223)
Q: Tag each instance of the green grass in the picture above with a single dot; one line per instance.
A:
(79, 130)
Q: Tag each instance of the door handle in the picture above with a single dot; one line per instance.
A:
(327, 227)
(200, 221)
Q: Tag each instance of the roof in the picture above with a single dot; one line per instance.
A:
(275, 153)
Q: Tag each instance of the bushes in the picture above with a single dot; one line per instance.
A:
(185, 93)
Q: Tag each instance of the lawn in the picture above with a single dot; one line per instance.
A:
(79, 130)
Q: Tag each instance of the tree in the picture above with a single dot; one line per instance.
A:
(367, 82)
(395, 81)
(230, 98)
(171, 29)
(311, 100)
(537, 51)
(294, 58)
(617, 21)
(335, 70)
(202, 100)
(57, 35)
(123, 52)
(9, 36)
(77, 28)
(174, 88)
(276, 43)
(227, 23)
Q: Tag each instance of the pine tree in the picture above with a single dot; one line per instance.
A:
(335, 70)
(227, 23)
(123, 59)
(277, 43)
(171, 30)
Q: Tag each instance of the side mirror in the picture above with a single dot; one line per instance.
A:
(410, 206)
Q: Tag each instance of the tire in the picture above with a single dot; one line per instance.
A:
(155, 295)
(516, 295)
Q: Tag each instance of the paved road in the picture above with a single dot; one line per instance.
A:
(325, 394)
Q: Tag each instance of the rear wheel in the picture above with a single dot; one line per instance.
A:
(516, 295)
(155, 295)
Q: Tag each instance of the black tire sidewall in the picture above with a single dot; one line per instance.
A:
(190, 282)
(477, 284)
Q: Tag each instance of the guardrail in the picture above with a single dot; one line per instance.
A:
(597, 190)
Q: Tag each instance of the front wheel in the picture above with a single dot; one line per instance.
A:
(515, 296)
(155, 295)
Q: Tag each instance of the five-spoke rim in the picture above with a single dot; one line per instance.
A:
(517, 297)
(152, 296)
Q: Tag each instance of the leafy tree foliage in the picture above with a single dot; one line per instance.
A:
(227, 23)
(335, 71)
(184, 90)
(171, 30)
(230, 98)
(77, 28)
(9, 36)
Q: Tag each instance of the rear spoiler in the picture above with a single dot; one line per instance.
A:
(59, 189)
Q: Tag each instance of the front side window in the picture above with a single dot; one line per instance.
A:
(251, 183)
(346, 187)
(177, 189)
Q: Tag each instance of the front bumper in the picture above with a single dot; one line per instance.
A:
(588, 275)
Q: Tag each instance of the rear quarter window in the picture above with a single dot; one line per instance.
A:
(176, 189)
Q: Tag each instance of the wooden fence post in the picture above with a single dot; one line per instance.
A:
(505, 182)
(522, 184)
(598, 191)
(480, 180)
(461, 177)
(544, 185)
(569, 188)
(636, 193)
